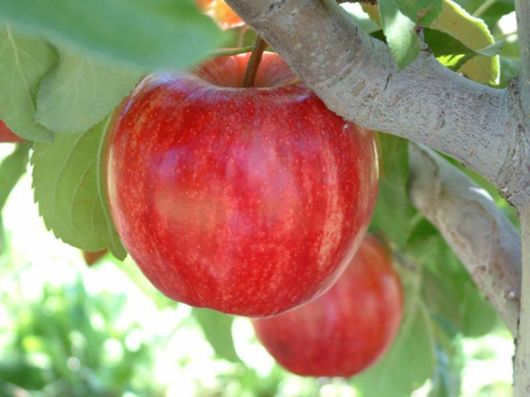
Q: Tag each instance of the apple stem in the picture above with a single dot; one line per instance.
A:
(253, 63)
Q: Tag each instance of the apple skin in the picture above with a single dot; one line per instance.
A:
(345, 330)
(248, 201)
(221, 12)
(8, 136)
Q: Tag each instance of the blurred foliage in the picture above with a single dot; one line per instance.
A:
(70, 344)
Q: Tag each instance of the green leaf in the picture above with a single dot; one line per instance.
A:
(80, 92)
(65, 181)
(489, 11)
(447, 379)
(400, 33)
(145, 33)
(421, 11)
(449, 51)
(24, 61)
(366, 24)
(11, 169)
(478, 316)
(453, 53)
(474, 34)
(469, 31)
(116, 246)
(393, 211)
(217, 328)
(448, 290)
(411, 358)
(509, 70)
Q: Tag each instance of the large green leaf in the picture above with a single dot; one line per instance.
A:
(24, 61)
(66, 185)
(145, 33)
(400, 33)
(80, 92)
(217, 328)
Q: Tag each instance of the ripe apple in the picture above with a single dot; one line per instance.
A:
(245, 200)
(344, 330)
(221, 12)
(8, 136)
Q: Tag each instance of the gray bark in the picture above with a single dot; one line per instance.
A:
(474, 227)
(522, 347)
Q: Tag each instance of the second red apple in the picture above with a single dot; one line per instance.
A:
(347, 329)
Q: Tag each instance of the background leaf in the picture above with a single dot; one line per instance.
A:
(217, 328)
(421, 11)
(11, 169)
(148, 34)
(65, 183)
(489, 11)
(392, 201)
(451, 52)
(24, 61)
(400, 33)
(447, 379)
(448, 290)
(469, 31)
(473, 33)
(80, 92)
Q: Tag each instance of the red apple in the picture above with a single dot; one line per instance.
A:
(221, 12)
(8, 136)
(245, 200)
(345, 330)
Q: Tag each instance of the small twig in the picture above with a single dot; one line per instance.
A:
(253, 63)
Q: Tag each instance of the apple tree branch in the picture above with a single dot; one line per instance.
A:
(474, 227)
(355, 75)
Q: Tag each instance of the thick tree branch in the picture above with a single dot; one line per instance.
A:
(356, 76)
(478, 232)
(523, 33)
(522, 162)
(522, 346)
